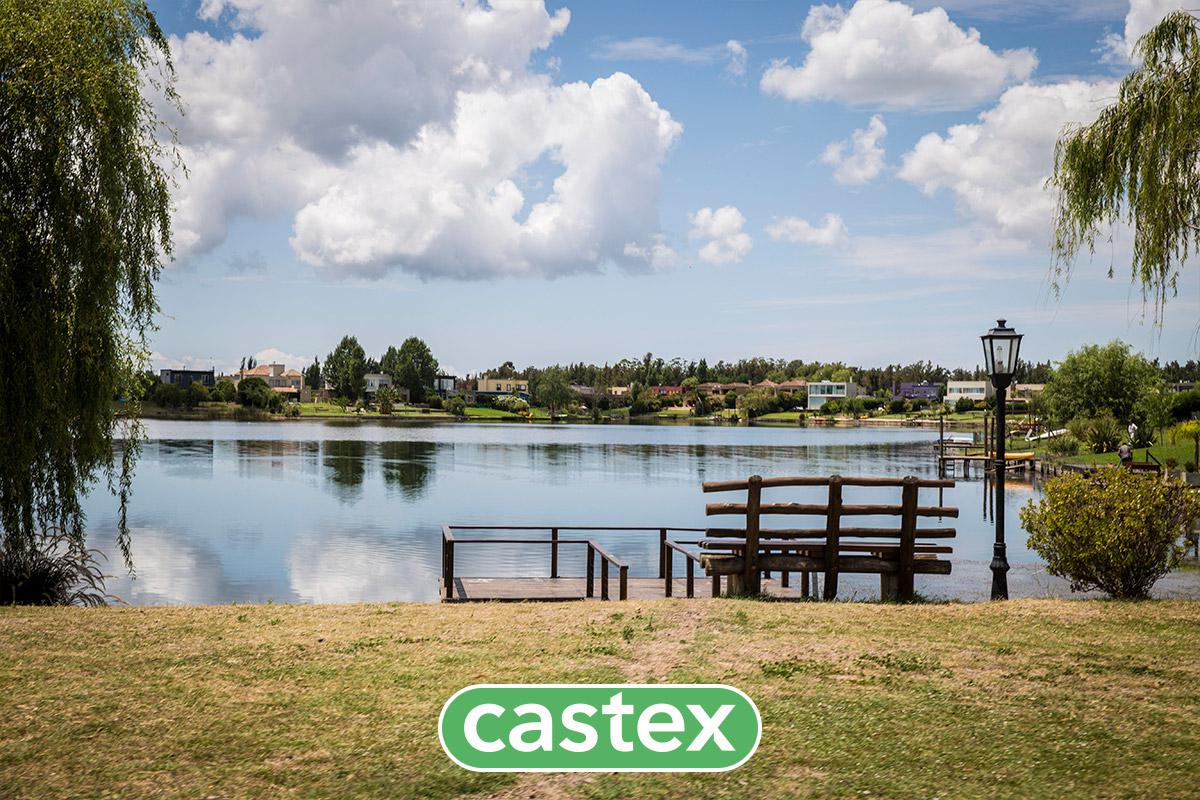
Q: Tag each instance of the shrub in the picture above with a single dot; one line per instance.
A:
(385, 398)
(434, 401)
(224, 391)
(49, 572)
(291, 410)
(919, 404)
(168, 395)
(510, 402)
(963, 405)
(1064, 445)
(1189, 431)
(1102, 434)
(1110, 530)
(731, 399)
(456, 406)
(755, 403)
(831, 407)
(1186, 405)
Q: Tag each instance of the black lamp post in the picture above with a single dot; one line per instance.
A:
(1000, 348)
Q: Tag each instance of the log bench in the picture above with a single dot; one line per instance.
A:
(745, 552)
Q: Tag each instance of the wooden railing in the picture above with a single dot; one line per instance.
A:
(554, 542)
(760, 550)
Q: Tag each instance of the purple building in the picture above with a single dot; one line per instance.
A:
(916, 391)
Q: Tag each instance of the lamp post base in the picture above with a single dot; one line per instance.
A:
(999, 572)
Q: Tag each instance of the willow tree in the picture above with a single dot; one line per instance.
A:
(1139, 164)
(84, 226)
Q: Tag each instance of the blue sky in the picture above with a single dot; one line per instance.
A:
(594, 181)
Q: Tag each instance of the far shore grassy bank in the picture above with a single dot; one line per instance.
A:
(1024, 699)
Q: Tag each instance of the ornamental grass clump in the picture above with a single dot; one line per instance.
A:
(51, 571)
(1111, 530)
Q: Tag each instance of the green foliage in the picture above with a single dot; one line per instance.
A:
(1112, 530)
(1066, 444)
(84, 226)
(756, 402)
(50, 571)
(1189, 430)
(1186, 405)
(385, 399)
(433, 401)
(898, 406)
(455, 405)
(345, 368)
(197, 393)
(1137, 163)
(224, 391)
(255, 393)
(168, 395)
(646, 403)
(731, 399)
(1102, 434)
(964, 404)
(415, 368)
(554, 390)
(312, 376)
(510, 402)
(1099, 379)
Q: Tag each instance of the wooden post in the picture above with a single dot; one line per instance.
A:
(908, 534)
(623, 583)
(662, 552)
(554, 552)
(804, 591)
(691, 577)
(667, 573)
(941, 445)
(591, 570)
(448, 567)
(603, 578)
(716, 590)
(751, 578)
(833, 529)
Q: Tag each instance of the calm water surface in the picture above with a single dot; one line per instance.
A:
(332, 512)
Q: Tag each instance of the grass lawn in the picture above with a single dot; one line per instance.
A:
(1182, 451)
(490, 413)
(1025, 699)
(789, 416)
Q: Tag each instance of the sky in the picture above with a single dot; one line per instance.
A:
(562, 182)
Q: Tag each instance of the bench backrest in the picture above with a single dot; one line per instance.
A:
(833, 510)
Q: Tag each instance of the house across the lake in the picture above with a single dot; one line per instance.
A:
(916, 391)
(186, 377)
(288, 382)
(972, 390)
(821, 392)
(494, 387)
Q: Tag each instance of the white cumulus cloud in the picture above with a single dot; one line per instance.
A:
(858, 159)
(725, 243)
(736, 66)
(831, 231)
(395, 137)
(883, 54)
(996, 168)
(1143, 15)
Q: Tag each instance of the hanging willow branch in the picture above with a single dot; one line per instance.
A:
(1138, 164)
(84, 227)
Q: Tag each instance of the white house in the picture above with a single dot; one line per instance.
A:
(972, 390)
(821, 392)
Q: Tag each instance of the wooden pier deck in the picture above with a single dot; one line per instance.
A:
(545, 590)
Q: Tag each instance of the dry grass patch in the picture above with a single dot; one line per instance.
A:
(1024, 699)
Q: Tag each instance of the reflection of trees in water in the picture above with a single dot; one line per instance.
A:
(345, 464)
(407, 466)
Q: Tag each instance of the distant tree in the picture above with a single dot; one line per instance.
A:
(251, 362)
(255, 393)
(197, 393)
(1137, 163)
(385, 399)
(345, 368)
(312, 376)
(224, 391)
(554, 390)
(372, 365)
(455, 405)
(417, 368)
(389, 364)
(1099, 378)
(85, 225)
(755, 403)
(242, 369)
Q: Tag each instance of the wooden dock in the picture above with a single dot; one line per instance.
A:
(548, 590)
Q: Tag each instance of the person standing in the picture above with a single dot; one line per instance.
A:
(1125, 453)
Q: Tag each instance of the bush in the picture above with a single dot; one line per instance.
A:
(168, 395)
(1111, 530)
(1102, 434)
(224, 391)
(385, 398)
(897, 406)
(831, 407)
(510, 402)
(731, 399)
(49, 572)
(919, 404)
(1064, 445)
(755, 403)
(434, 401)
(1186, 405)
(456, 406)
(291, 410)
(963, 405)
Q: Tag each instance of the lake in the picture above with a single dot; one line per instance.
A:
(333, 512)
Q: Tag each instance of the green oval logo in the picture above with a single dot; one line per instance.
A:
(599, 728)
